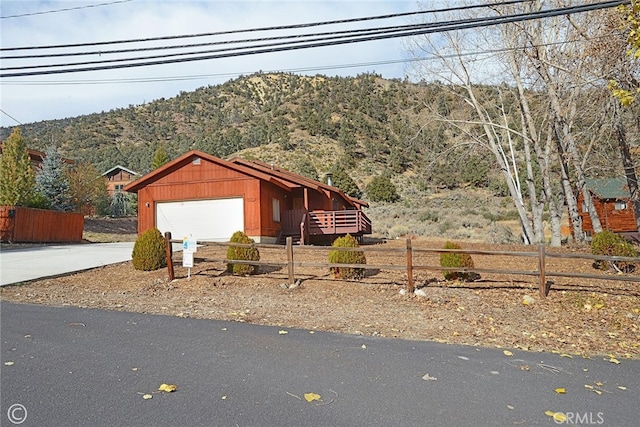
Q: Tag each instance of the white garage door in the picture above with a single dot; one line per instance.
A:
(211, 220)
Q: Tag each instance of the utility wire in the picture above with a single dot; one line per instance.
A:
(285, 70)
(10, 116)
(274, 28)
(64, 10)
(319, 42)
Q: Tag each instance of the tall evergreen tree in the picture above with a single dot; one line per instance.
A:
(52, 181)
(343, 181)
(160, 158)
(17, 178)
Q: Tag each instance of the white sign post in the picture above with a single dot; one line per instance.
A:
(189, 247)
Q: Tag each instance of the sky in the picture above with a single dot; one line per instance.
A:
(45, 23)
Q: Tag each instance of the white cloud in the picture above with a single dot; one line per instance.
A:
(36, 98)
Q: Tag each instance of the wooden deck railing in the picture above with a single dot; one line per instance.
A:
(539, 256)
(314, 223)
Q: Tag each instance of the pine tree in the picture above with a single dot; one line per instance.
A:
(52, 181)
(17, 178)
(160, 158)
(343, 181)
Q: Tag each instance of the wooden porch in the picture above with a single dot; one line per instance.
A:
(302, 224)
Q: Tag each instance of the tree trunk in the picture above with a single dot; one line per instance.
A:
(627, 161)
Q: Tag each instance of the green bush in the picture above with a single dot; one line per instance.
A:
(611, 244)
(149, 252)
(455, 259)
(242, 253)
(381, 189)
(347, 257)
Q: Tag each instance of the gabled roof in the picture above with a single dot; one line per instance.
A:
(609, 188)
(188, 157)
(299, 180)
(38, 156)
(118, 167)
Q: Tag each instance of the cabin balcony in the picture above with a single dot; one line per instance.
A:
(302, 225)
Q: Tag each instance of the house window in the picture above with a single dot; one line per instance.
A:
(620, 206)
(119, 187)
(196, 161)
(275, 204)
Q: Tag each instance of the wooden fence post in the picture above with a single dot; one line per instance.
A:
(410, 285)
(169, 251)
(289, 249)
(541, 270)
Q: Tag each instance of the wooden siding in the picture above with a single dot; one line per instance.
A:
(618, 221)
(201, 182)
(20, 224)
(268, 192)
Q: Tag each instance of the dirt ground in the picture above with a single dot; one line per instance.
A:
(579, 317)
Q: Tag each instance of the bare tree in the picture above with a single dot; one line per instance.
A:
(511, 144)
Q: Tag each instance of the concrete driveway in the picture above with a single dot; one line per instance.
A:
(24, 264)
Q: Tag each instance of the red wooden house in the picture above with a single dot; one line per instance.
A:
(612, 201)
(117, 177)
(210, 198)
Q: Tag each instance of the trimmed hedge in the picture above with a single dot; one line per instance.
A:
(241, 253)
(149, 252)
(347, 257)
(457, 260)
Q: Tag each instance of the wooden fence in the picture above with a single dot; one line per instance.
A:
(20, 224)
(540, 256)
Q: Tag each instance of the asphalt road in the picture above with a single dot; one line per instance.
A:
(65, 366)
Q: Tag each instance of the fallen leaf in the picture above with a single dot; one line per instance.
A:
(8, 363)
(621, 387)
(510, 407)
(614, 360)
(134, 369)
(589, 386)
(566, 355)
(559, 417)
(598, 391)
(312, 332)
(224, 397)
(169, 388)
(561, 390)
(147, 396)
(599, 384)
(427, 377)
(507, 353)
(310, 397)
(364, 346)
(283, 332)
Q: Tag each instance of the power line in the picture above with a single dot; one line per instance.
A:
(10, 116)
(64, 10)
(273, 28)
(285, 70)
(372, 34)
